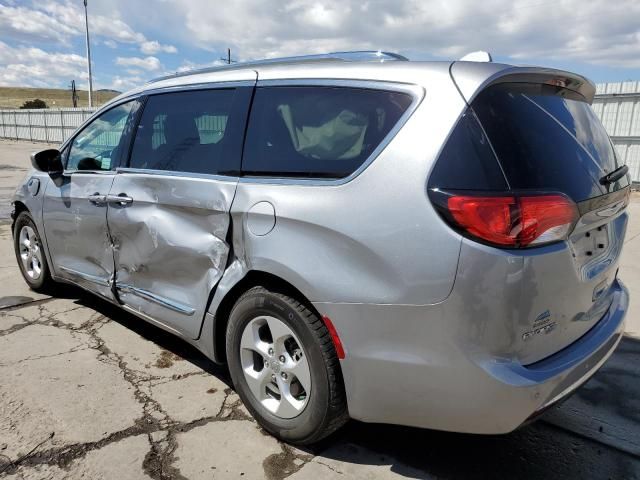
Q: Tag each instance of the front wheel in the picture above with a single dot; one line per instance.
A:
(284, 367)
(30, 255)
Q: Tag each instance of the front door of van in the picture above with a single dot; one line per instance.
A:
(169, 212)
(75, 204)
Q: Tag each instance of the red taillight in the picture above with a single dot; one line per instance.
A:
(514, 220)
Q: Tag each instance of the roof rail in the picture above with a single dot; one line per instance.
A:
(354, 56)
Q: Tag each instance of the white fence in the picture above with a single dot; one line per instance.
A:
(43, 124)
(617, 105)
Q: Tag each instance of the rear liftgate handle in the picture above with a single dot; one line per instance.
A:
(121, 199)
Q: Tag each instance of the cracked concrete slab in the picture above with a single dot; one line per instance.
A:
(121, 461)
(362, 464)
(142, 355)
(189, 398)
(240, 450)
(67, 313)
(53, 395)
(18, 347)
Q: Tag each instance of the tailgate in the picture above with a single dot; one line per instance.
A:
(546, 138)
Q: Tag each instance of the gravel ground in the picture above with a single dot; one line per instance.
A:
(89, 391)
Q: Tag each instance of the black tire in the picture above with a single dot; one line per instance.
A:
(326, 408)
(44, 283)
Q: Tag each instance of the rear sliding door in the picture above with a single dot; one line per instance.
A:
(169, 208)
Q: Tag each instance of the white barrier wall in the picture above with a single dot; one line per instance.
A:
(43, 124)
(618, 106)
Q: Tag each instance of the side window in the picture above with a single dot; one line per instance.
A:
(99, 145)
(322, 132)
(191, 131)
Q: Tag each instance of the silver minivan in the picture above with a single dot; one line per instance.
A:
(355, 235)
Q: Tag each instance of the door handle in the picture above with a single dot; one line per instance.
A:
(97, 199)
(121, 199)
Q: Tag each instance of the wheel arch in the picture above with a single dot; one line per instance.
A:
(18, 208)
(252, 278)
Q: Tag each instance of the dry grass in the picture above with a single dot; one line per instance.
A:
(14, 97)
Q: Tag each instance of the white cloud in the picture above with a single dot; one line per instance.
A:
(152, 47)
(596, 31)
(23, 23)
(72, 15)
(62, 20)
(125, 83)
(148, 63)
(187, 65)
(27, 66)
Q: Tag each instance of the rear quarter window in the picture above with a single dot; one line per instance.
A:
(323, 132)
(467, 162)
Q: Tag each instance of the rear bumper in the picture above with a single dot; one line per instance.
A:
(408, 365)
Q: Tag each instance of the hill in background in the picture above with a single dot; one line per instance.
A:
(14, 97)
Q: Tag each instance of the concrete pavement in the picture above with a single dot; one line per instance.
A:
(89, 391)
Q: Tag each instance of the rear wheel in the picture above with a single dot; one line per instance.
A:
(284, 367)
(29, 253)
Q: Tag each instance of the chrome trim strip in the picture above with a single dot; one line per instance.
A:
(85, 276)
(152, 297)
(151, 320)
(417, 92)
(341, 82)
(170, 173)
(198, 86)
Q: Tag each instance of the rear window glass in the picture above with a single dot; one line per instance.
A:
(548, 138)
(325, 132)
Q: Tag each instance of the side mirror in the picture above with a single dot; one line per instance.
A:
(48, 161)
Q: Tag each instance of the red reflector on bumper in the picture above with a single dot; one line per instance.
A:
(334, 337)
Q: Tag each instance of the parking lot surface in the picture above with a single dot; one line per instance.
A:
(89, 391)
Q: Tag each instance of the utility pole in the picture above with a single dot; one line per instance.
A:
(228, 59)
(74, 94)
(86, 22)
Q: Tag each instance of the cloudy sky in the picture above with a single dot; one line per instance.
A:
(42, 41)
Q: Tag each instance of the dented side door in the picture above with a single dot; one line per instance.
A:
(170, 234)
(170, 245)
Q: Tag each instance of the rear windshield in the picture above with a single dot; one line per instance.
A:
(547, 138)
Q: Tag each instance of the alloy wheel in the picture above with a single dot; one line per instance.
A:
(275, 366)
(30, 252)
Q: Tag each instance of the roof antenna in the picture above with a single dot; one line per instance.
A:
(479, 56)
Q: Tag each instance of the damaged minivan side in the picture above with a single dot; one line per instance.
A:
(354, 238)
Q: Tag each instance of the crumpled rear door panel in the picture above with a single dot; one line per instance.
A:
(170, 244)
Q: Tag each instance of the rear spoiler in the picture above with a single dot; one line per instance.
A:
(472, 77)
